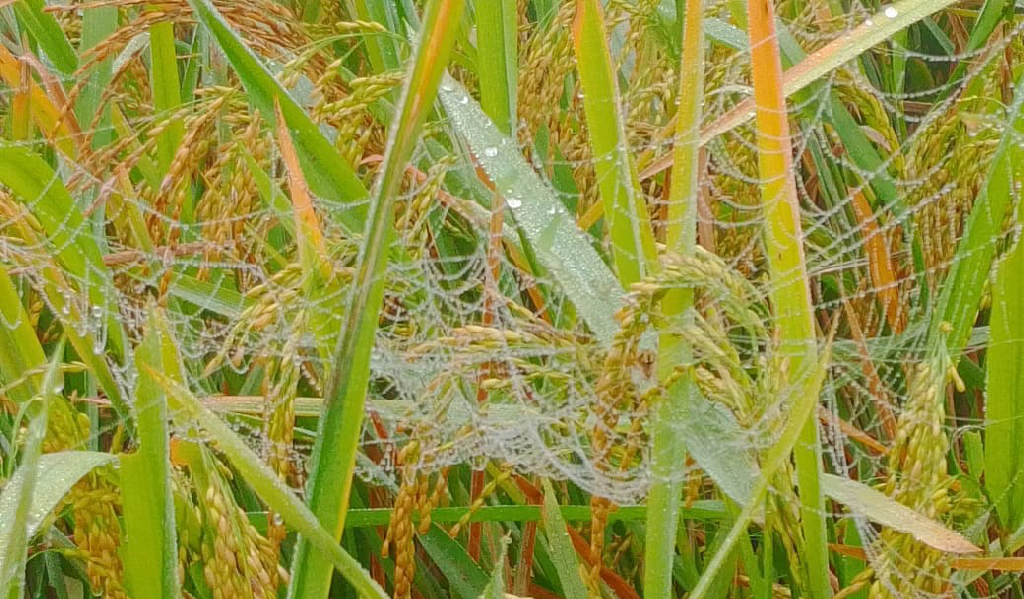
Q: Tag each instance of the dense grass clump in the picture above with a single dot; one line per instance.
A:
(535, 298)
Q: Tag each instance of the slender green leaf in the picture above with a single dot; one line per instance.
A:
(383, 50)
(552, 232)
(629, 225)
(151, 537)
(1004, 391)
(48, 33)
(562, 551)
(340, 427)
(466, 578)
(163, 80)
(97, 25)
(16, 331)
(496, 34)
(17, 496)
(672, 412)
(790, 285)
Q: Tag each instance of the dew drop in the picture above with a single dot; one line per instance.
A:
(552, 210)
(463, 99)
(490, 151)
(97, 311)
(891, 12)
(447, 87)
(869, 22)
(278, 519)
(514, 202)
(65, 309)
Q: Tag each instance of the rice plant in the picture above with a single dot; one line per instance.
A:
(579, 299)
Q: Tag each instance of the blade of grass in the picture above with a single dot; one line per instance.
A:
(187, 411)
(628, 223)
(17, 494)
(465, 576)
(790, 293)
(16, 331)
(562, 552)
(97, 25)
(47, 32)
(327, 173)
(496, 35)
(1004, 390)
(881, 508)
(164, 83)
(707, 509)
(149, 520)
(668, 415)
(382, 50)
(551, 231)
(496, 585)
(334, 454)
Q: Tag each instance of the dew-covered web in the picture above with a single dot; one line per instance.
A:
(514, 349)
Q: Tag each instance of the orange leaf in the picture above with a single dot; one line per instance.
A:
(883, 275)
(307, 226)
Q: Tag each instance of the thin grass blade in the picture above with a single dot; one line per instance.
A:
(560, 544)
(47, 32)
(149, 519)
(334, 454)
(790, 293)
(669, 416)
(550, 230)
(628, 223)
(17, 495)
(164, 83)
(16, 331)
(1004, 390)
(496, 34)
